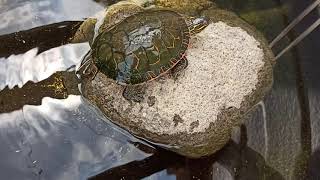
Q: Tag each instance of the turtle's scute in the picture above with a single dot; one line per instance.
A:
(142, 46)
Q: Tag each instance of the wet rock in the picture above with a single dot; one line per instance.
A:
(190, 7)
(117, 12)
(85, 32)
(106, 19)
(229, 70)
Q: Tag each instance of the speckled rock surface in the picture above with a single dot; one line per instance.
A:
(229, 71)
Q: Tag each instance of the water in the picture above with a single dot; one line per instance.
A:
(50, 134)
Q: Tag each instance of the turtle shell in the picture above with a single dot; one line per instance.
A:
(142, 47)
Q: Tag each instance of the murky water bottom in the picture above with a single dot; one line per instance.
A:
(46, 134)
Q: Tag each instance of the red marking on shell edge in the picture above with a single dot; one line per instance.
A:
(182, 55)
(151, 74)
(173, 61)
(185, 43)
(162, 70)
(161, 74)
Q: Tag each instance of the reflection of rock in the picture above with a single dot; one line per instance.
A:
(229, 71)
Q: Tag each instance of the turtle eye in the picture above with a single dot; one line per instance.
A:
(198, 24)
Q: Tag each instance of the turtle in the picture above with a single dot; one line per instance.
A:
(143, 46)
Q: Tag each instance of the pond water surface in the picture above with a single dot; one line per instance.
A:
(47, 131)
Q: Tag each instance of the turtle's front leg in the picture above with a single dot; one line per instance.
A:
(94, 71)
(183, 62)
(178, 69)
(88, 70)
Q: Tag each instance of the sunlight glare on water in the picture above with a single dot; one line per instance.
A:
(18, 69)
(22, 15)
(93, 146)
(69, 135)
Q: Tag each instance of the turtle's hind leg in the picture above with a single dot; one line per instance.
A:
(134, 93)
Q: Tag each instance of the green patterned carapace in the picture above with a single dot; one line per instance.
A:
(142, 46)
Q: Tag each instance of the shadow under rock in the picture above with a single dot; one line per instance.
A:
(242, 162)
(314, 165)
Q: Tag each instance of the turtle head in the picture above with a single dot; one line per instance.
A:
(197, 24)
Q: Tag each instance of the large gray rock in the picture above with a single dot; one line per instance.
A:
(193, 111)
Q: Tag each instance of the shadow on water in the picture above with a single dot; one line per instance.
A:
(237, 160)
(62, 137)
(313, 166)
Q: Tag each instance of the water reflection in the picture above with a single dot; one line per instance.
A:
(17, 15)
(57, 139)
(69, 139)
(62, 139)
(19, 69)
(235, 161)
